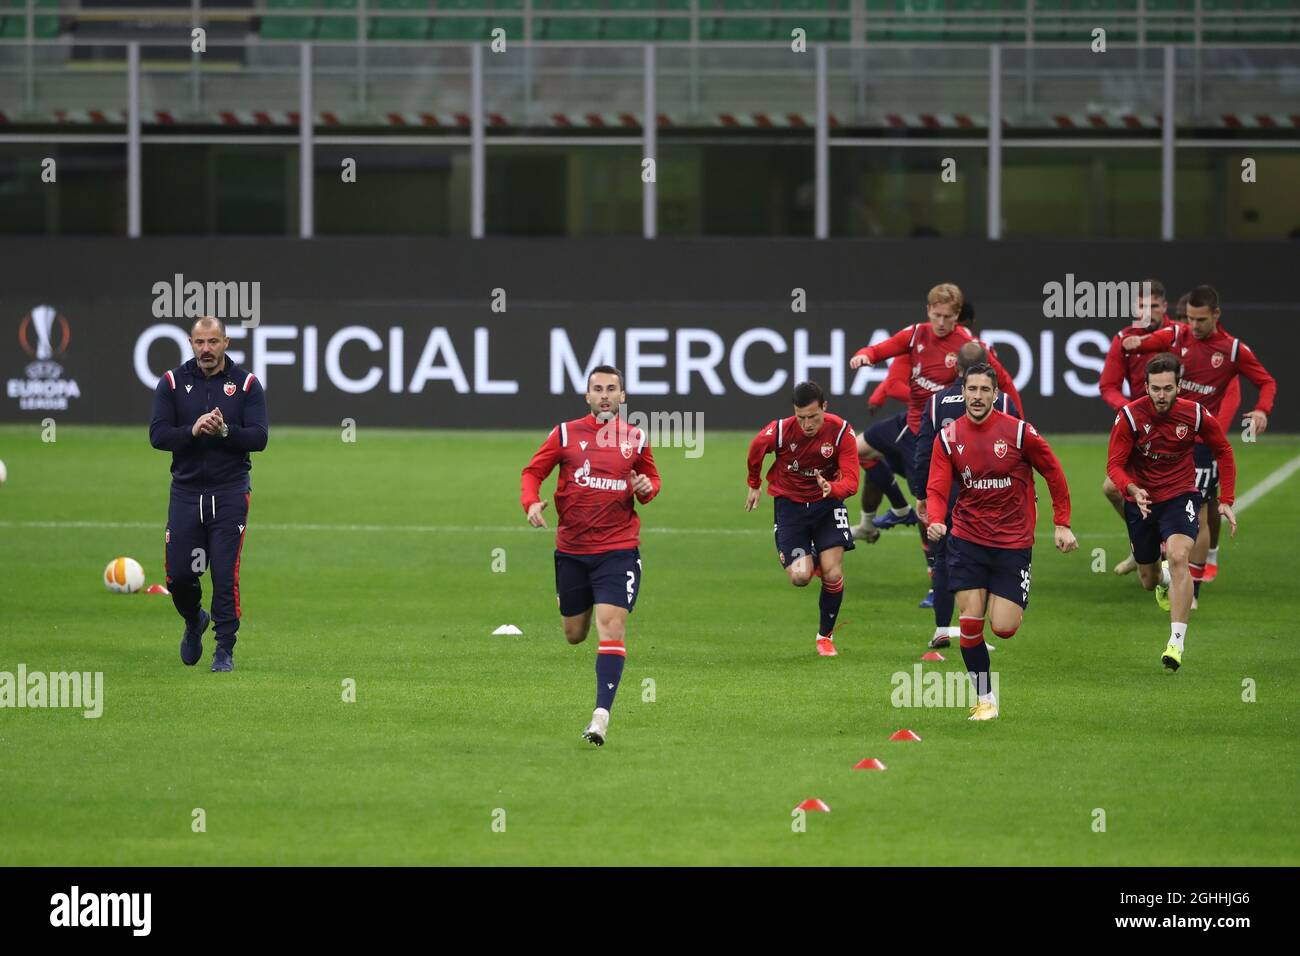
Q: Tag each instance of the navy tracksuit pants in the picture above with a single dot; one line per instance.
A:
(206, 532)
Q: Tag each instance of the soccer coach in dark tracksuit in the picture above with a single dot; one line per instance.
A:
(209, 413)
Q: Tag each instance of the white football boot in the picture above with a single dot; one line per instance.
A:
(598, 729)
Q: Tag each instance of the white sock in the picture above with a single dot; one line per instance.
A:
(1177, 632)
(900, 512)
(867, 516)
(988, 699)
(1164, 576)
(954, 632)
(1212, 557)
(825, 637)
(943, 632)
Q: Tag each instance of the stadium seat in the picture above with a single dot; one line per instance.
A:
(746, 29)
(513, 25)
(276, 27)
(679, 28)
(399, 28)
(1274, 29)
(337, 28)
(461, 28)
(1220, 29)
(1169, 29)
(986, 28)
(1054, 29)
(817, 28)
(15, 27)
(631, 28)
(572, 28)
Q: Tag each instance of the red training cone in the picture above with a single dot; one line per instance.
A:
(931, 656)
(903, 734)
(812, 803)
(871, 763)
(156, 589)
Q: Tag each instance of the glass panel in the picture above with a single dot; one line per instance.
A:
(748, 188)
(563, 190)
(399, 190)
(88, 197)
(865, 87)
(1213, 203)
(219, 189)
(1081, 193)
(1043, 83)
(530, 86)
(900, 192)
(735, 86)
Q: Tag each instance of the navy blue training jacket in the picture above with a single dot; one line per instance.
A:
(209, 463)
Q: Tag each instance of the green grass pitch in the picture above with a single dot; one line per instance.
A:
(374, 561)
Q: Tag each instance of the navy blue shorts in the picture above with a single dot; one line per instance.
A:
(611, 577)
(808, 529)
(895, 442)
(1001, 571)
(1207, 471)
(1176, 516)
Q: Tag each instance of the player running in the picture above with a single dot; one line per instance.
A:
(943, 409)
(1151, 459)
(1211, 361)
(991, 546)
(1123, 378)
(604, 463)
(816, 468)
(889, 446)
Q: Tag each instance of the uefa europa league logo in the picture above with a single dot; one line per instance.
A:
(40, 324)
(43, 322)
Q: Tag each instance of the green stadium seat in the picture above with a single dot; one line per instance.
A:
(1118, 29)
(746, 29)
(275, 27)
(1053, 29)
(926, 30)
(817, 28)
(462, 28)
(1220, 29)
(337, 28)
(398, 28)
(631, 28)
(1168, 29)
(571, 28)
(1273, 29)
(987, 28)
(679, 28)
(513, 25)
(15, 27)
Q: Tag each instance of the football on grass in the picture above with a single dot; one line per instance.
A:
(124, 576)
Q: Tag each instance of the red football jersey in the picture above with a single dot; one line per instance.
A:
(1154, 451)
(832, 453)
(594, 509)
(994, 462)
(1124, 366)
(933, 362)
(1210, 364)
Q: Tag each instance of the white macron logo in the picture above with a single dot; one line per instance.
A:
(582, 445)
(187, 389)
(103, 909)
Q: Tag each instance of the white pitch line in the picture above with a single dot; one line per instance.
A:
(1270, 482)
(428, 528)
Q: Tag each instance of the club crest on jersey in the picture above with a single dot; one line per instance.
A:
(827, 450)
(625, 447)
(229, 388)
(1216, 359)
(1181, 431)
(950, 360)
(1000, 448)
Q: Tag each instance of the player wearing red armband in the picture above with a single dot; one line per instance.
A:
(816, 468)
(1151, 460)
(1212, 360)
(604, 465)
(993, 457)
